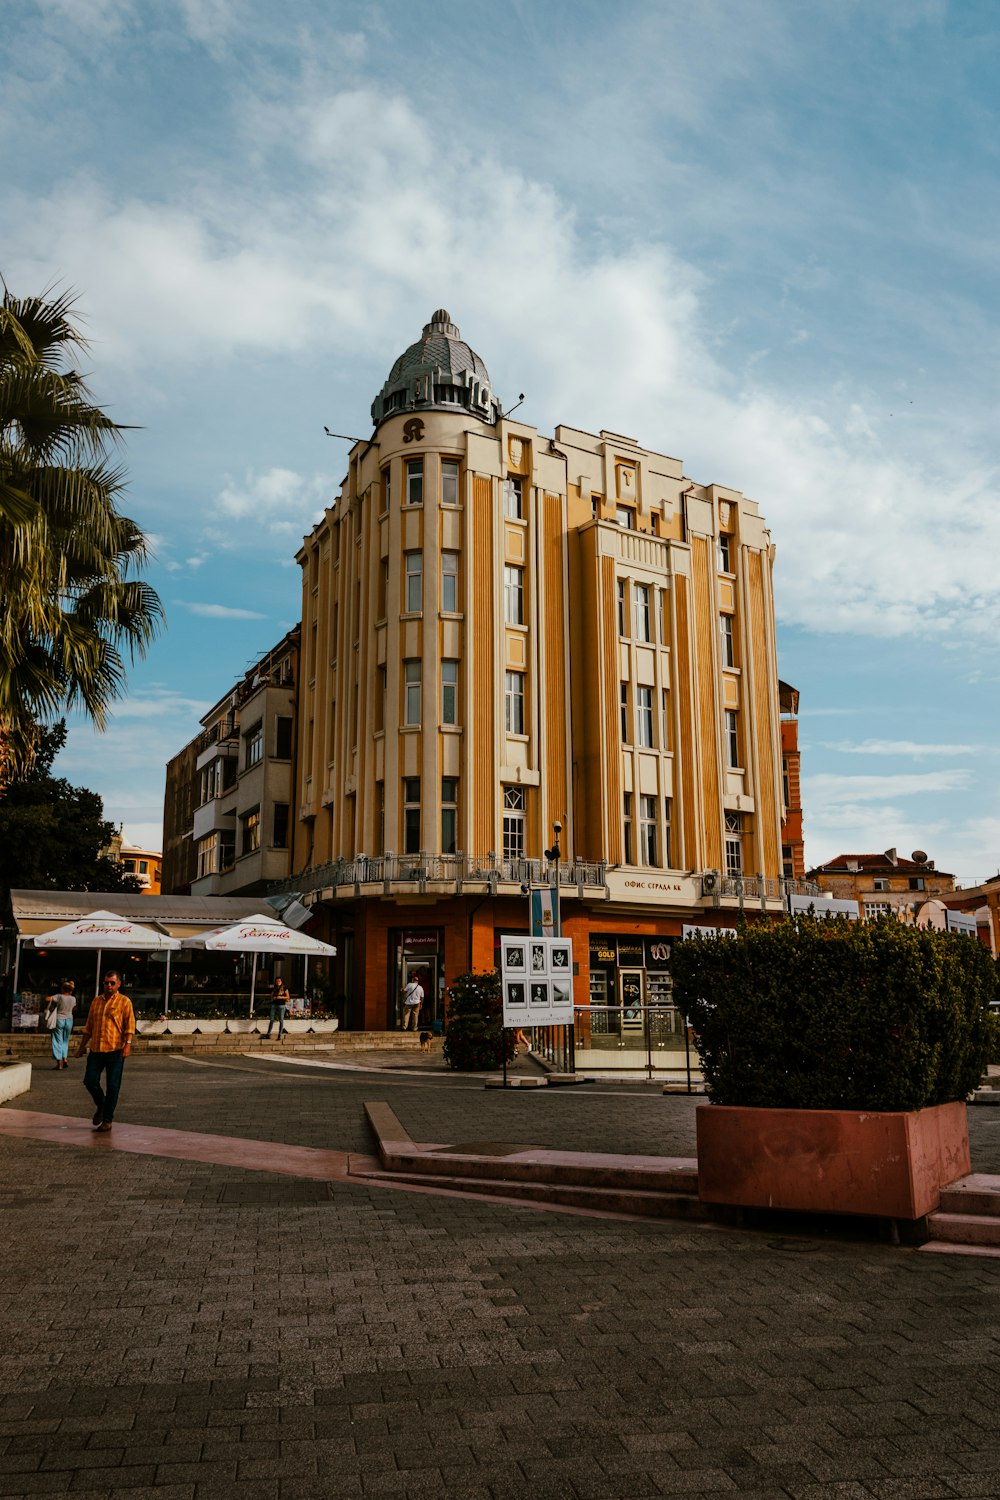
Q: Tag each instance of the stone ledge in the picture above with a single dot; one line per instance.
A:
(15, 1078)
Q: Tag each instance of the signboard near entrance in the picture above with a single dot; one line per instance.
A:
(536, 976)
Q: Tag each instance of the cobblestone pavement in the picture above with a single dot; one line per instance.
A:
(173, 1330)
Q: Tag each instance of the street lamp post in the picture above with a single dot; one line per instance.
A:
(553, 855)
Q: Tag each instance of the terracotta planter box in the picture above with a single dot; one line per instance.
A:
(890, 1166)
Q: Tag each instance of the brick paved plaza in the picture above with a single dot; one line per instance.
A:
(178, 1330)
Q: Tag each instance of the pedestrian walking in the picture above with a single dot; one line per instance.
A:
(279, 1004)
(59, 1020)
(413, 999)
(108, 1036)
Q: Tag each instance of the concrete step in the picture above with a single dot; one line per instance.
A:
(965, 1229)
(635, 1202)
(977, 1193)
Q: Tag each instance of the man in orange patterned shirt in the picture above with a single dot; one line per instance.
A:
(108, 1033)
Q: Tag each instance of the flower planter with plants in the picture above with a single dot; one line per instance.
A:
(838, 1058)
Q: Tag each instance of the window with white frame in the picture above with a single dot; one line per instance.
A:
(513, 595)
(667, 841)
(208, 855)
(449, 481)
(622, 609)
(881, 883)
(414, 571)
(513, 822)
(734, 843)
(625, 516)
(626, 717)
(665, 719)
(253, 745)
(875, 909)
(661, 610)
(414, 481)
(227, 850)
(411, 688)
(250, 826)
(449, 814)
(732, 739)
(449, 692)
(726, 640)
(513, 499)
(386, 487)
(640, 605)
(411, 814)
(644, 717)
(725, 553)
(627, 827)
(647, 830)
(449, 583)
(513, 702)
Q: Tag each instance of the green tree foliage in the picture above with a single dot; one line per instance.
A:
(838, 1015)
(70, 605)
(474, 1036)
(52, 834)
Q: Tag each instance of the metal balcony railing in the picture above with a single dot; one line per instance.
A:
(427, 869)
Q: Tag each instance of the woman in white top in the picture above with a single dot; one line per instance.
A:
(59, 1019)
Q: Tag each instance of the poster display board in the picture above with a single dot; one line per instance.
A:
(536, 976)
(25, 1011)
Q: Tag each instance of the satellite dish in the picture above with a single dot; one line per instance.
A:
(919, 856)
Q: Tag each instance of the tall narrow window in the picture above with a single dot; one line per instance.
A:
(734, 843)
(726, 637)
(250, 824)
(627, 827)
(279, 839)
(513, 595)
(383, 589)
(513, 701)
(622, 609)
(661, 597)
(665, 720)
(625, 716)
(644, 717)
(283, 737)
(411, 679)
(449, 692)
(732, 739)
(667, 841)
(380, 817)
(640, 603)
(449, 814)
(414, 564)
(380, 700)
(449, 481)
(647, 830)
(449, 582)
(414, 481)
(725, 553)
(513, 499)
(386, 487)
(513, 822)
(208, 849)
(785, 793)
(411, 814)
(253, 745)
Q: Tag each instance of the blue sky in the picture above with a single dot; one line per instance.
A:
(759, 237)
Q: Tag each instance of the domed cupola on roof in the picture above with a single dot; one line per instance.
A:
(441, 372)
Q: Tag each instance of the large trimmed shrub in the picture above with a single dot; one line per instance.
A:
(828, 1014)
(474, 1038)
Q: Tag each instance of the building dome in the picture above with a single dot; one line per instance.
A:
(439, 372)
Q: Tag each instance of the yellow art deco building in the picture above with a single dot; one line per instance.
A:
(504, 633)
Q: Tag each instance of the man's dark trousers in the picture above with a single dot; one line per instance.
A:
(112, 1064)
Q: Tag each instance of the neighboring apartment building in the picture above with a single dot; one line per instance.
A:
(506, 634)
(883, 883)
(237, 778)
(145, 864)
(793, 849)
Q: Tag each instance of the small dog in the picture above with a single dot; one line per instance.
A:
(425, 1041)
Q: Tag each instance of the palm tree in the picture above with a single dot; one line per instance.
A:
(71, 607)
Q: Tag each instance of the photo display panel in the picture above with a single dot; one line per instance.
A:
(536, 981)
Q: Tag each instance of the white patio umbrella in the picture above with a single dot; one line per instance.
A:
(260, 935)
(105, 929)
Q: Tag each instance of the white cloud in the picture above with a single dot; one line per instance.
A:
(612, 332)
(219, 611)
(827, 789)
(278, 501)
(900, 748)
(164, 706)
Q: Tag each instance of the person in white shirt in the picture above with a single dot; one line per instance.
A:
(413, 999)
